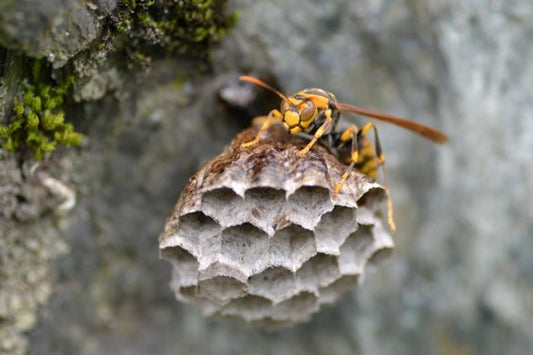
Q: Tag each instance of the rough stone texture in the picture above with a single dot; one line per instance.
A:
(29, 244)
(258, 234)
(54, 29)
(460, 280)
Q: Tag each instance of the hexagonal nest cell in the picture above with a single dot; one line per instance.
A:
(258, 233)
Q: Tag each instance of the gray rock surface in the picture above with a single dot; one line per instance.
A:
(461, 278)
(54, 29)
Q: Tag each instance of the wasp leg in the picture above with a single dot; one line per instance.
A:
(319, 133)
(349, 134)
(352, 133)
(274, 114)
(259, 120)
(381, 162)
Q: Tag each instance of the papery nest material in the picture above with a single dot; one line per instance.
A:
(258, 234)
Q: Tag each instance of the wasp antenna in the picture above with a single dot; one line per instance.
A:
(426, 131)
(264, 85)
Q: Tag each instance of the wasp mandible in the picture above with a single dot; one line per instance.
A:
(316, 113)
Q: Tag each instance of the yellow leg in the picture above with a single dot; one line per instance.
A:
(381, 162)
(351, 133)
(339, 185)
(259, 120)
(274, 114)
(319, 133)
(377, 144)
(390, 213)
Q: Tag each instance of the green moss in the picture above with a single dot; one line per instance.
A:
(145, 27)
(38, 121)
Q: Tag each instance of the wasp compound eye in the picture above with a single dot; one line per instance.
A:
(258, 233)
(308, 111)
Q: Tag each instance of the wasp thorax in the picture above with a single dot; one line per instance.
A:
(258, 234)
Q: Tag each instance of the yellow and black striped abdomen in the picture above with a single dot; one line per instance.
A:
(367, 162)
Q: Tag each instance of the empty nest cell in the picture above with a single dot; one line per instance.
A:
(291, 247)
(334, 228)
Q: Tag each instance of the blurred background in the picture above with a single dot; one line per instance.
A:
(90, 281)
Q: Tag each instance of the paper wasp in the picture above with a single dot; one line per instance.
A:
(316, 113)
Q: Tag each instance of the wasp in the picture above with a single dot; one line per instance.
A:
(316, 113)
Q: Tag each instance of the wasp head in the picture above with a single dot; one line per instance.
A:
(298, 111)
(306, 107)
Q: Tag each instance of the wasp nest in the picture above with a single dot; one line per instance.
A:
(258, 234)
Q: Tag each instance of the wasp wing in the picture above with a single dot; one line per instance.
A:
(426, 131)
